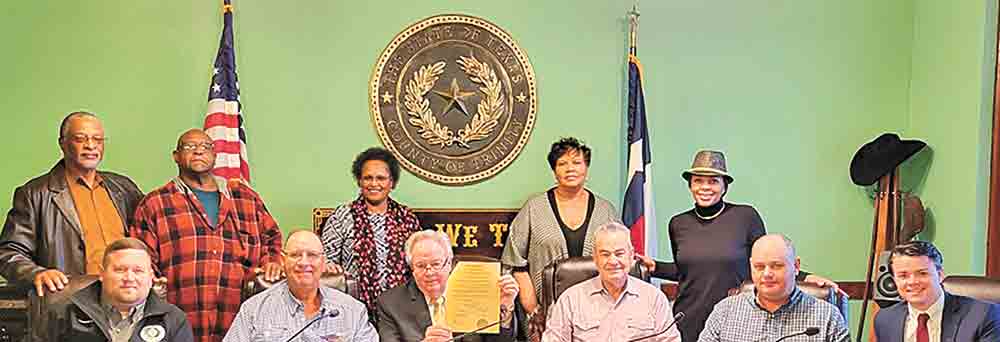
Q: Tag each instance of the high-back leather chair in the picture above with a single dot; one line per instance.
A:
(38, 307)
(828, 294)
(564, 273)
(981, 288)
(340, 282)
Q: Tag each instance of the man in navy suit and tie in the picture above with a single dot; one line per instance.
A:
(928, 313)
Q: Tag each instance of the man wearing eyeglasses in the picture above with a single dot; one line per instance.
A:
(414, 311)
(207, 235)
(61, 222)
(299, 307)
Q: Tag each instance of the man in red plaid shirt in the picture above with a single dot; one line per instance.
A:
(208, 236)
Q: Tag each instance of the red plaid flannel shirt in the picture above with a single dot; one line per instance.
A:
(206, 266)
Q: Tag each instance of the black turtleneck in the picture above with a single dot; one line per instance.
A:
(708, 211)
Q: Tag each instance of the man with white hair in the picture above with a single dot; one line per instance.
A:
(414, 311)
(613, 306)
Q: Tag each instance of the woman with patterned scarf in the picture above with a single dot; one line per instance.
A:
(365, 237)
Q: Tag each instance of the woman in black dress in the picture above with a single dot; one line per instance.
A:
(711, 245)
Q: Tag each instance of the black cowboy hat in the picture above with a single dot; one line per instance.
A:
(880, 156)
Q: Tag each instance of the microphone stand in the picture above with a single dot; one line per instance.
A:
(331, 314)
(677, 318)
(475, 331)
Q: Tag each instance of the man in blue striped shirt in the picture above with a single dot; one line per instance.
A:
(300, 304)
(776, 308)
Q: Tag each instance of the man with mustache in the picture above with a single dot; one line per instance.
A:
(60, 223)
(117, 306)
(207, 235)
(928, 313)
(613, 306)
(776, 308)
(415, 310)
(301, 304)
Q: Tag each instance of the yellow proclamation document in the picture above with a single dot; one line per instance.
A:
(472, 298)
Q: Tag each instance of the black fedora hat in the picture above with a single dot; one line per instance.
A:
(880, 156)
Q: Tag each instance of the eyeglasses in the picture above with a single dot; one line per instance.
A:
(432, 266)
(307, 255)
(203, 146)
(83, 139)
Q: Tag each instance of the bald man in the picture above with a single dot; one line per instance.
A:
(776, 308)
(300, 303)
(207, 235)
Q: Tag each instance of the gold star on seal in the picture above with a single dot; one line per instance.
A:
(386, 98)
(454, 96)
(521, 98)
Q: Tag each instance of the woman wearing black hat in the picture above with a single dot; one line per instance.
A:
(711, 244)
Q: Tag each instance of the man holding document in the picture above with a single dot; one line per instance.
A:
(428, 309)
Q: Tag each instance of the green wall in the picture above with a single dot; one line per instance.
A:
(951, 106)
(788, 89)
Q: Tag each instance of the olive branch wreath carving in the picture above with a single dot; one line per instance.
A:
(488, 111)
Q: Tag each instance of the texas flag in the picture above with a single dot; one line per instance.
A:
(637, 208)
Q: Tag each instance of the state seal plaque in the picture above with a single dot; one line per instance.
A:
(454, 98)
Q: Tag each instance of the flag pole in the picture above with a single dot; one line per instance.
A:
(633, 17)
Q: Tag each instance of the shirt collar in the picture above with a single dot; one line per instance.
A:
(184, 188)
(793, 298)
(326, 301)
(74, 179)
(134, 313)
(933, 311)
(597, 287)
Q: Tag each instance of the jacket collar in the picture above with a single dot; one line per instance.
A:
(57, 177)
(418, 301)
(88, 299)
(949, 316)
(63, 199)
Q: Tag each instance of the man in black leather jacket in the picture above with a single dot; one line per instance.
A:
(43, 237)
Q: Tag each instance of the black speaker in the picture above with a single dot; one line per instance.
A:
(885, 288)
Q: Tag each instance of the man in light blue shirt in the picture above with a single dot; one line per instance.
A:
(298, 304)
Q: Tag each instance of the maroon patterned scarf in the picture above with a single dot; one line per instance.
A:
(400, 223)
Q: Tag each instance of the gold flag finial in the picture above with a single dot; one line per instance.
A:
(633, 20)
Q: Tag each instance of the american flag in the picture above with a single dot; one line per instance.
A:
(637, 207)
(224, 120)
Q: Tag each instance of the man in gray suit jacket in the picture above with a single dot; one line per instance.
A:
(403, 311)
(927, 312)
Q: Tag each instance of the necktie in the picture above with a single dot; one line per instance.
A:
(438, 318)
(922, 335)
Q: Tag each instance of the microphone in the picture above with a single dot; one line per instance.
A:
(810, 331)
(455, 338)
(677, 318)
(331, 314)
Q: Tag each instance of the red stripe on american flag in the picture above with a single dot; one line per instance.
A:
(227, 172)
(226, 146)
(222, 119)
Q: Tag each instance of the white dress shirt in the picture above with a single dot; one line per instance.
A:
(933, 324)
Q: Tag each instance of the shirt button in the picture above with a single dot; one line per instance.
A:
(215, 252)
